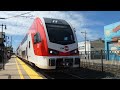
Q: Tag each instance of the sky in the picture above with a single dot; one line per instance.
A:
(92, 22)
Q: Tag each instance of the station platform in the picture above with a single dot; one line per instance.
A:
(17, 69)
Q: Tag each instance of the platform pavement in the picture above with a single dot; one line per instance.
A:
(17, 69)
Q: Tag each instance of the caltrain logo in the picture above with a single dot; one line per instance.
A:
(66, 48)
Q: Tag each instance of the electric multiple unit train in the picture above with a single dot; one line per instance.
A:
(50, 44)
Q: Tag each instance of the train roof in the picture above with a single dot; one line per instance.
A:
(55, 21)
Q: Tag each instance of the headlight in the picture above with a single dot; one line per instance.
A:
(53, 52)
(74, 51)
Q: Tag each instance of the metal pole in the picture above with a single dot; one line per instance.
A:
(85, 42)
(3, 46)
(88, 49)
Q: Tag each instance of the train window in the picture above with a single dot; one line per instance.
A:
(60, 34)
(37, 38)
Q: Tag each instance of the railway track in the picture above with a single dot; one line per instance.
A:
(59, 75)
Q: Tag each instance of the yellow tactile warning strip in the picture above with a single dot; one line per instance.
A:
(32, 74)
(19, 71)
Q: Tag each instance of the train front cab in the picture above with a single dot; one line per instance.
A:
(62, 30)
(59, 62)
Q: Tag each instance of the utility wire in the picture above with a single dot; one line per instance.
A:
(17, 15)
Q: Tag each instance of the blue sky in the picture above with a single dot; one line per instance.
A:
(92, 22)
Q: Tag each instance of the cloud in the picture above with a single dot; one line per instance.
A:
(15, 26)
(89, 36)
(77, 19)
(18, 26)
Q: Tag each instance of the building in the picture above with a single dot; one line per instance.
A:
(93, 48)
(81, 46)
(97, 45)
(112, 41)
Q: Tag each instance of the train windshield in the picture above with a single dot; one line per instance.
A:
(60, 34)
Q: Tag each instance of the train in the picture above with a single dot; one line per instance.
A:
(50, 43)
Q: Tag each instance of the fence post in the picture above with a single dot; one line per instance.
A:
(102, 59)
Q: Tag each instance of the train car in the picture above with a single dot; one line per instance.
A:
(50, 44)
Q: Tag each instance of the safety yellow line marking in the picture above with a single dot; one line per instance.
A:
(19, 71)
(32, 74)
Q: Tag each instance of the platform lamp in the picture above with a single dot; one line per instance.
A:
(2, 31)
(3, 37)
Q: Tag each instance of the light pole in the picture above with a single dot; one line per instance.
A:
(2, 30)
(3, 37)
(85, 40)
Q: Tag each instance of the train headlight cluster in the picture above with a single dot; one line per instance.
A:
(74, 51)
(53, 52)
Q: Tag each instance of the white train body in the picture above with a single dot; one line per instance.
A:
(50, 44)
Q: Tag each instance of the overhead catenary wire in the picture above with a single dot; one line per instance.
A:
(20, 15)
